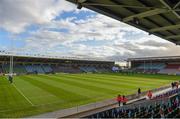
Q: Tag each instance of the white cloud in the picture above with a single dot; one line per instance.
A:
(18, 14)
(120, 40)
(99, 28)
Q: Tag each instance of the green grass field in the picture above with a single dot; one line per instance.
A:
(36, 94)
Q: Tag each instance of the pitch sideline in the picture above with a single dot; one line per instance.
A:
(23, 95)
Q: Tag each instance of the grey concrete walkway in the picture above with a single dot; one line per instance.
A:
(84, 110)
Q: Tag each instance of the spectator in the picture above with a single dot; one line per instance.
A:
(161, 112)
(169, 109)
(149, 94)
(166, 109)
(139, 92)
(172, 85)
(124, 100)
(177, 84)
(119, 99)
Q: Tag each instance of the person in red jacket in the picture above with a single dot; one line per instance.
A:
(149, 94)
(119, 99)
(177, 84)
(124, 100)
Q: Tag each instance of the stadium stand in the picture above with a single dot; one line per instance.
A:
(47, 68)
(29, 68)
(172, 66)
(161, 65)
(5, 68)
(34, 69)
(167, 94)
(103, 69)
(19, 69)
(171, 69)
(38, 68)
(1, 70)
(150, 68)
(65, 69)
(165, 105)
(88, 69)
(23, 64)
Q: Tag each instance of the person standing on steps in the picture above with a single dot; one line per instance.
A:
(149, 94)
(119, 100)
(139, 92)
(124, 100)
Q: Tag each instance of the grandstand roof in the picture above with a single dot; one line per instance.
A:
(158, 17)
(48, 59)
(155, 58)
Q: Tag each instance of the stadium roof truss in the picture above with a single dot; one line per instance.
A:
(158, 17)
(177, 58)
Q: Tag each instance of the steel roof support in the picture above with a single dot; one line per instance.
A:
(173, 37)
(164, 3)
(176, 5)
(145, 14)
(170, 27)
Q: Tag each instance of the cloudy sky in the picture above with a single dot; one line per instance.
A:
(56, 27)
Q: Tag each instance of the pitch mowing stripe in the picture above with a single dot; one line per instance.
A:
(79, 82)
(103, 83)
(88, 84)
(29, 110)
(112, 87)
(110, 94)
(118, 78)
(32, 91)
(141, 76)
(65, 86)
(59, 81)
(124, 87)
(57, 91)
(157, 76)
(3, 98)
(115, 81)
(121, 85)
(11, 97)
(124, 79)
(74, 87)
(67, 80)
(119, 89)
(23, 94)
(151, 78)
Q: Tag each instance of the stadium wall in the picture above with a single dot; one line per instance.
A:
(161, 65)
(53, 65)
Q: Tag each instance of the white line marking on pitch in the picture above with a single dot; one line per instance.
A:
(23, 95)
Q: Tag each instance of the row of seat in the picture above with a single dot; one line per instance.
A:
(174, 90)
(164, 108)
(170, 71)
(27, 69)
(49, 69)
(160, 68)
(88, 69)
(66, 69)
(151, 66)
(1, 70)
